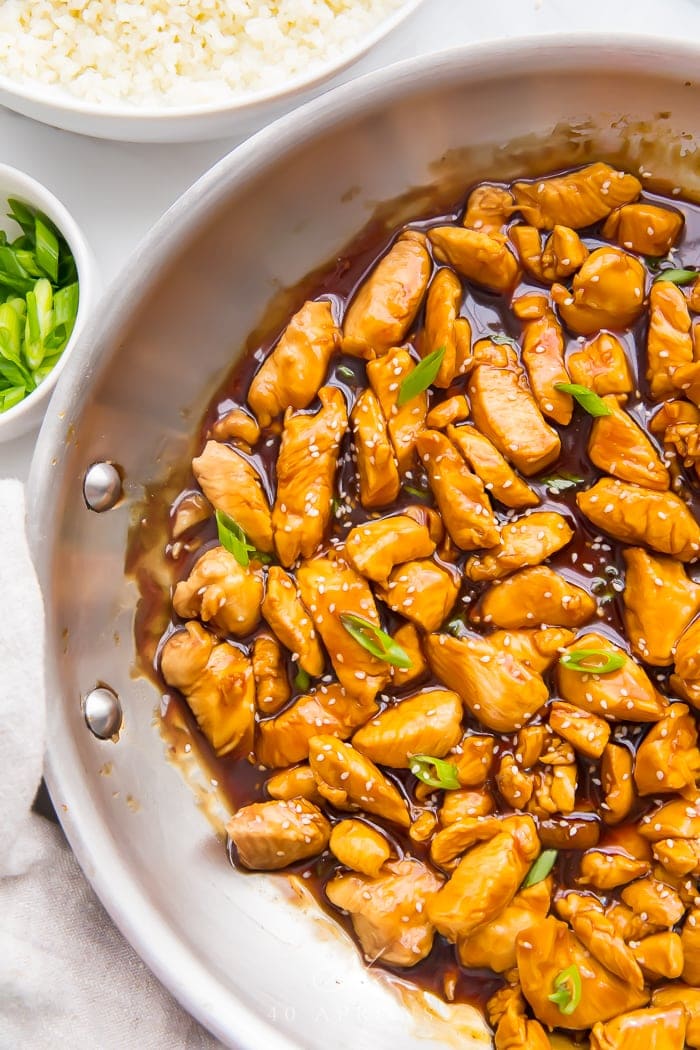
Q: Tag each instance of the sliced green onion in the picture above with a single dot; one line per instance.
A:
(562, 482)
(541, 868)
(22, 215)
(587, 399)
(435, 772)
(10, 332)
(421, 377)
(11, 397)
(46, 248)
(375, 641)
(503, 340)
(302, 680)
(39, 322)
(344, 372)
(567, 990)
(575, 660)
(457, 627)
(418, 493)
(677, 276)
(232, 537)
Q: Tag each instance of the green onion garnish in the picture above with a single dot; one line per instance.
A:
(233, 538)
(344, 372)
(302, 680)
(418, 493)
(592, 661)
(677, 276)
(567, 990)
(541, 868)
(421, 377)
(435, 772)
(587, 399)
(503, 340)
(46, 248)
(375, 641)
(562, 482)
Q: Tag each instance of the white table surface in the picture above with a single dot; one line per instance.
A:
(116, 190)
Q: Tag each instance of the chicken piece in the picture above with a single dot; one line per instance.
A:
(190, 510)
(625, 695)
(484, 882)
(683, 439)
(492, 946)
(576, 199)
(674, 832)
(644, 228)
(483, 258)
(525, 542)
(217, 682)
(375, 547)
(659, 1029)
(554, 791)
(571, 832)
(422, 591)
(461, 804)
(295, 782)
(407, 637)
(271, 683)
(536, 595)
(669, 344)
(384, 307)
(517, 1032)
(328, 589)
(543, 357)
(497, 689)
(427, 724)
(290, 377)
(220, 591)
(607, 292)
(602, 366)
(505, 411)
(406, 421)
(619, 446)
(686, 380)
(530, 743)
(687, 655)
(537, 649)
(451, 410)
(514, 784)
(306, 467)
(660, 601)
(348, 780)
(284, 740)
(670, 413)
(668, 758)
(690, 939)
(236, 425)
(637, 515)
(232, 485)
(473, 757)
(508, 997)
(562, 254)
(489, 208)
(605, 871)
(290, 620)
(271, 835)
(359, 847)
(681, 994)
(597, 933)
(658, 901)
(445, 329)
(452, 841)
(546, 951)
(378, 907)
(555, 751)
(660, 955)
(492, 468)
(376, 464)
(459, 494)
(588, 733)
(423, 826)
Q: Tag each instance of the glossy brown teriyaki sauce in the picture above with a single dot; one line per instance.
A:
(591, 560)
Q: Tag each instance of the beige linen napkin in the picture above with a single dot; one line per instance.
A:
(67, 976)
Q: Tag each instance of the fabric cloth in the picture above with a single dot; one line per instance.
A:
(67, 976)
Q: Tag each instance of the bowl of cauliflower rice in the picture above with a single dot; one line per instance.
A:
(178, 70)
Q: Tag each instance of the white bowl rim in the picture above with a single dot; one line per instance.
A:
(41, 197)
(121, 893)
(38, 93)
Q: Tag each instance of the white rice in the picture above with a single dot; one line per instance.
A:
(177, 52)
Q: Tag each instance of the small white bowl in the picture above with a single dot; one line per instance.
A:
(13, 183)
(243, 115)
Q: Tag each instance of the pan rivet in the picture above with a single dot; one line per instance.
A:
(103, 712)
(102, 486)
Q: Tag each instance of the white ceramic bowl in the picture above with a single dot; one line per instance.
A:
(13, 183)
(133, 123)
(262, 973)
